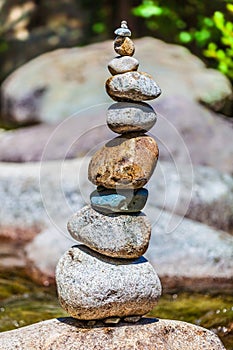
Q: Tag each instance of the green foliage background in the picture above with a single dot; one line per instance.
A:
(205, 27)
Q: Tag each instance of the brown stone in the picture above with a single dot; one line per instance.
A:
(147, 334)
(124, 46)
(124, 162)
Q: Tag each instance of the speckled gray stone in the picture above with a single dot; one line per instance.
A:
(91, 286)
(122, 64)
(132, 86)
(148, 334)
(120, 201)
(119, 236)
(123, 117)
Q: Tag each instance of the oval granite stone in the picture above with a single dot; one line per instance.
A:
(91, 286)
(124, 46)
(123, 117)
(122, 64)
(118, 236)
(121, 201)
(125, 162)
(132, 86)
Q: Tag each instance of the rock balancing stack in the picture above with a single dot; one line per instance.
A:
(106, 277)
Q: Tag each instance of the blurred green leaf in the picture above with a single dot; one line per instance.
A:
(185, 37)
(147, 9)
(98, 27)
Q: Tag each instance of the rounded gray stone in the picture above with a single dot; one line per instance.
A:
(123, 117)
(119, 236)
(132, 86)
(91, 286)
(122, 64)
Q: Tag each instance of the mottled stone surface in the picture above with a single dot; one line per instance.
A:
(123, 64)
(121, 201)
(91, 286)
(120, 236)
(123, 117)
(124, 162)
(124, 46)
(132, 86)
(148, 334)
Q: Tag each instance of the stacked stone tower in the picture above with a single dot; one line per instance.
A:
(106, 277)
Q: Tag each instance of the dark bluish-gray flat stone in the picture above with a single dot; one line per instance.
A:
(123, 117)
(121, 201)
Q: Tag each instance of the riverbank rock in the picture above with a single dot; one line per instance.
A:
(150, 334)
(186, 254)
(124, 236)
(32, 194)
(91, 286)
(200, 193)
(46, 76)
(183, 126)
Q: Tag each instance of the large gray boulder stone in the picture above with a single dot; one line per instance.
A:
(32, 195)
(150, 334)
(55, 85)
(91, 286)
(200, 193)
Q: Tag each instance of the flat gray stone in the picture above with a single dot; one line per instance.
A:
(123, 117)
(121, 201)
(91, 286)
(148, 334)
(122, 64)
(132, 86)
(119, 236)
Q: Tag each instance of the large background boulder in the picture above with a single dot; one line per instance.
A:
(184, 129)
(55, 85)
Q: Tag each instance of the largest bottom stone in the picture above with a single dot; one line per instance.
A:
(91, 286)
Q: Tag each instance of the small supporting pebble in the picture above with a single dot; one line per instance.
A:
(112, 320)
(132, 319)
